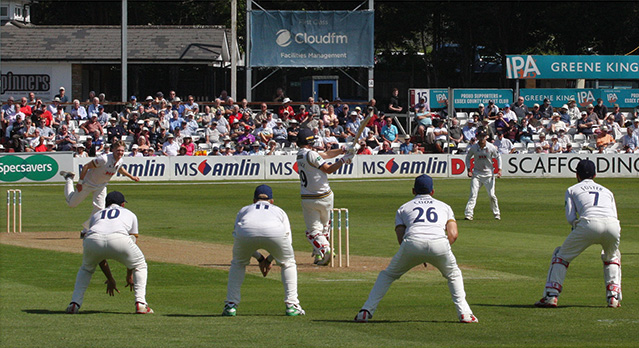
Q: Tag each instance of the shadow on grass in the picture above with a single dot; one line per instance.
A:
(178, 315)
(46, 311)
(55, 238)
(531, 306)
(351, 321)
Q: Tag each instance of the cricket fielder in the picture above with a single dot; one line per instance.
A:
(317, 197)
(592, 213)
(94, 178)
(262, 225)
(483, 153)
(425, 229)
(108, 237)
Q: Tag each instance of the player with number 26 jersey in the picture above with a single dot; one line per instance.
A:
(424, 217)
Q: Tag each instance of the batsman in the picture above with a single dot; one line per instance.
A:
(317, 197)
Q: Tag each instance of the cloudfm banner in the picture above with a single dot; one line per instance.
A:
(312, 39)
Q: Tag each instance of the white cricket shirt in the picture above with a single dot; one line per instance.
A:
(261, 219)
(425, 217)
(105, 168)
(313, 181)
(587, 199)
(483, 158)
(113, 220)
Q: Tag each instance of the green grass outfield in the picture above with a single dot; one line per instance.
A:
(504, 265)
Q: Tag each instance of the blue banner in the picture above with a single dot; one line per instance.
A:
(470, 98)
(625, 98)
(312, 39)
(559, 96)
(572, 67)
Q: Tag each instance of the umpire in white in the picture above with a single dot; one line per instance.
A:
(592, 213)
(425, 229)
(109, 237)
(262, 225)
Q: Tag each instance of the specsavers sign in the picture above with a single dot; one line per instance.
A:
(33, 167)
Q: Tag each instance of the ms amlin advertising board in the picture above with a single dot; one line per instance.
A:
(311, 39)
(34, 168)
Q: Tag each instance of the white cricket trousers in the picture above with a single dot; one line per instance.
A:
(317, 214)
(588, 231)
(413, 252)
(475, 183)
(282, 251)
(74, 197)
(118, 247)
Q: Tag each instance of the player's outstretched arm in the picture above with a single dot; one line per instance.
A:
(451, 231)
(83, 173)
(332, 153)
(125, 173)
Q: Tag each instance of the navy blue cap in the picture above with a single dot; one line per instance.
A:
(115, 197)
(423, 184)
(263, 192)
(586, 169)
(480, 134)
(305, 136)
(133, 97)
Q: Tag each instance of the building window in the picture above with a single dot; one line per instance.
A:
(4, 11)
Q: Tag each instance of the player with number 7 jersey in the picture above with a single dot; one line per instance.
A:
(591, 211)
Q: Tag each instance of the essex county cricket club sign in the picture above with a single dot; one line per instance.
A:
(311, 39)
(572, 67)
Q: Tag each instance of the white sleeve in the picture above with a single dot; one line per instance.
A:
(399, 218)
(314, 159)
(100, 161)
(471, 153)
(571, 211)
(134, 224)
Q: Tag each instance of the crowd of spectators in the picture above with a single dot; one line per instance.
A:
(514, 128)
(168, 126)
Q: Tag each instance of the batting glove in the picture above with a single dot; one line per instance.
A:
(347, 158)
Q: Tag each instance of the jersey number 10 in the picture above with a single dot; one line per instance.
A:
(110, 214)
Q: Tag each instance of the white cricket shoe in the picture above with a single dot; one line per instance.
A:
(363, 316)
(547, 302)
(293, 310)
(469, 218)
(614, 302)
(468, 318)
(142, 308)
(73, 308)
(497, 217)
(67, 175)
